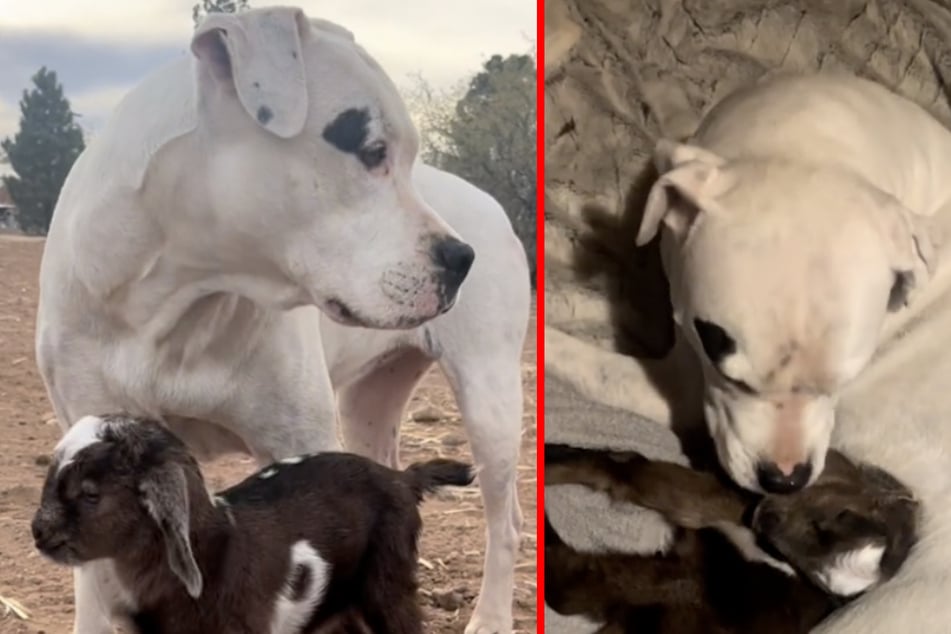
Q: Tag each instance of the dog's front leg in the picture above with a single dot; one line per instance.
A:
(287, 422)
(489, 393)
(661, 390)
(285, 405)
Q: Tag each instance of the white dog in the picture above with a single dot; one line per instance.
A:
(802, 231)
(249, 250)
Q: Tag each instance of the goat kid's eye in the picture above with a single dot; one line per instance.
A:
(824, 536)
(89, 493)
(373, 155)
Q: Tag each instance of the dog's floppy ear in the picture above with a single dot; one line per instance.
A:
(690, 177)
(164, 492)
(910, 250)
(259, 55)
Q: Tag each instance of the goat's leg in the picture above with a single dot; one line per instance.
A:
(663, 619)
(400, 616)
(388, 601)
(601, 585)
(348, 622)
(687, 498)
(391, 605)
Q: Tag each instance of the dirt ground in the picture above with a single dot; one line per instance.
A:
(453, 534)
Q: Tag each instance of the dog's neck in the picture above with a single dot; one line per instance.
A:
(154, 257)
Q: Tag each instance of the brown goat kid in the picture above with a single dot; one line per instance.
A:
(328, 540)
(834, 540)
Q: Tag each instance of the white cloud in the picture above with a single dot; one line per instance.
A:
(9, 120)
(141, 21)
(93, 107)
(9, 116)
(445, 41)
(436, 37)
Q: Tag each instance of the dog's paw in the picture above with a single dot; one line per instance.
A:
(489, 624)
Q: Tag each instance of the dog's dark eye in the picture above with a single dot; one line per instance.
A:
(901, 287)
(372, 155)
(743, 386)
(716, 343)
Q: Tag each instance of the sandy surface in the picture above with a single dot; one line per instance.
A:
(453, 535)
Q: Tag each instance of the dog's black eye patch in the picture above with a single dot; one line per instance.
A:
(348, 132)
(716, 343)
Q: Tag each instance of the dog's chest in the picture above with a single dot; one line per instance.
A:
(190, 370)
(353, 353)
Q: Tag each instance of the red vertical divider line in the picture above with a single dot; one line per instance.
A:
(540, 321)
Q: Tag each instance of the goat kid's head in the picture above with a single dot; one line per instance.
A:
(117, 484)
(850, 530)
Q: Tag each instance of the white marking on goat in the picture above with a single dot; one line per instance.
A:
(853, 571)
(745, 542)
(223, 504)
(290, 614)
(84, 432)
(293, 460)
(268, 473)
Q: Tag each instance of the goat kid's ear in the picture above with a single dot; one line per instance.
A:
(165, 495)
(839, 468)
(860, 524)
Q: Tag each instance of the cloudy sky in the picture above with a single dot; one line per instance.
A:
(100, 48)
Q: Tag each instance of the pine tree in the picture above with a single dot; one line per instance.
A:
(492, 140)
(42, 152)
(203, 8)
(484, 131)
